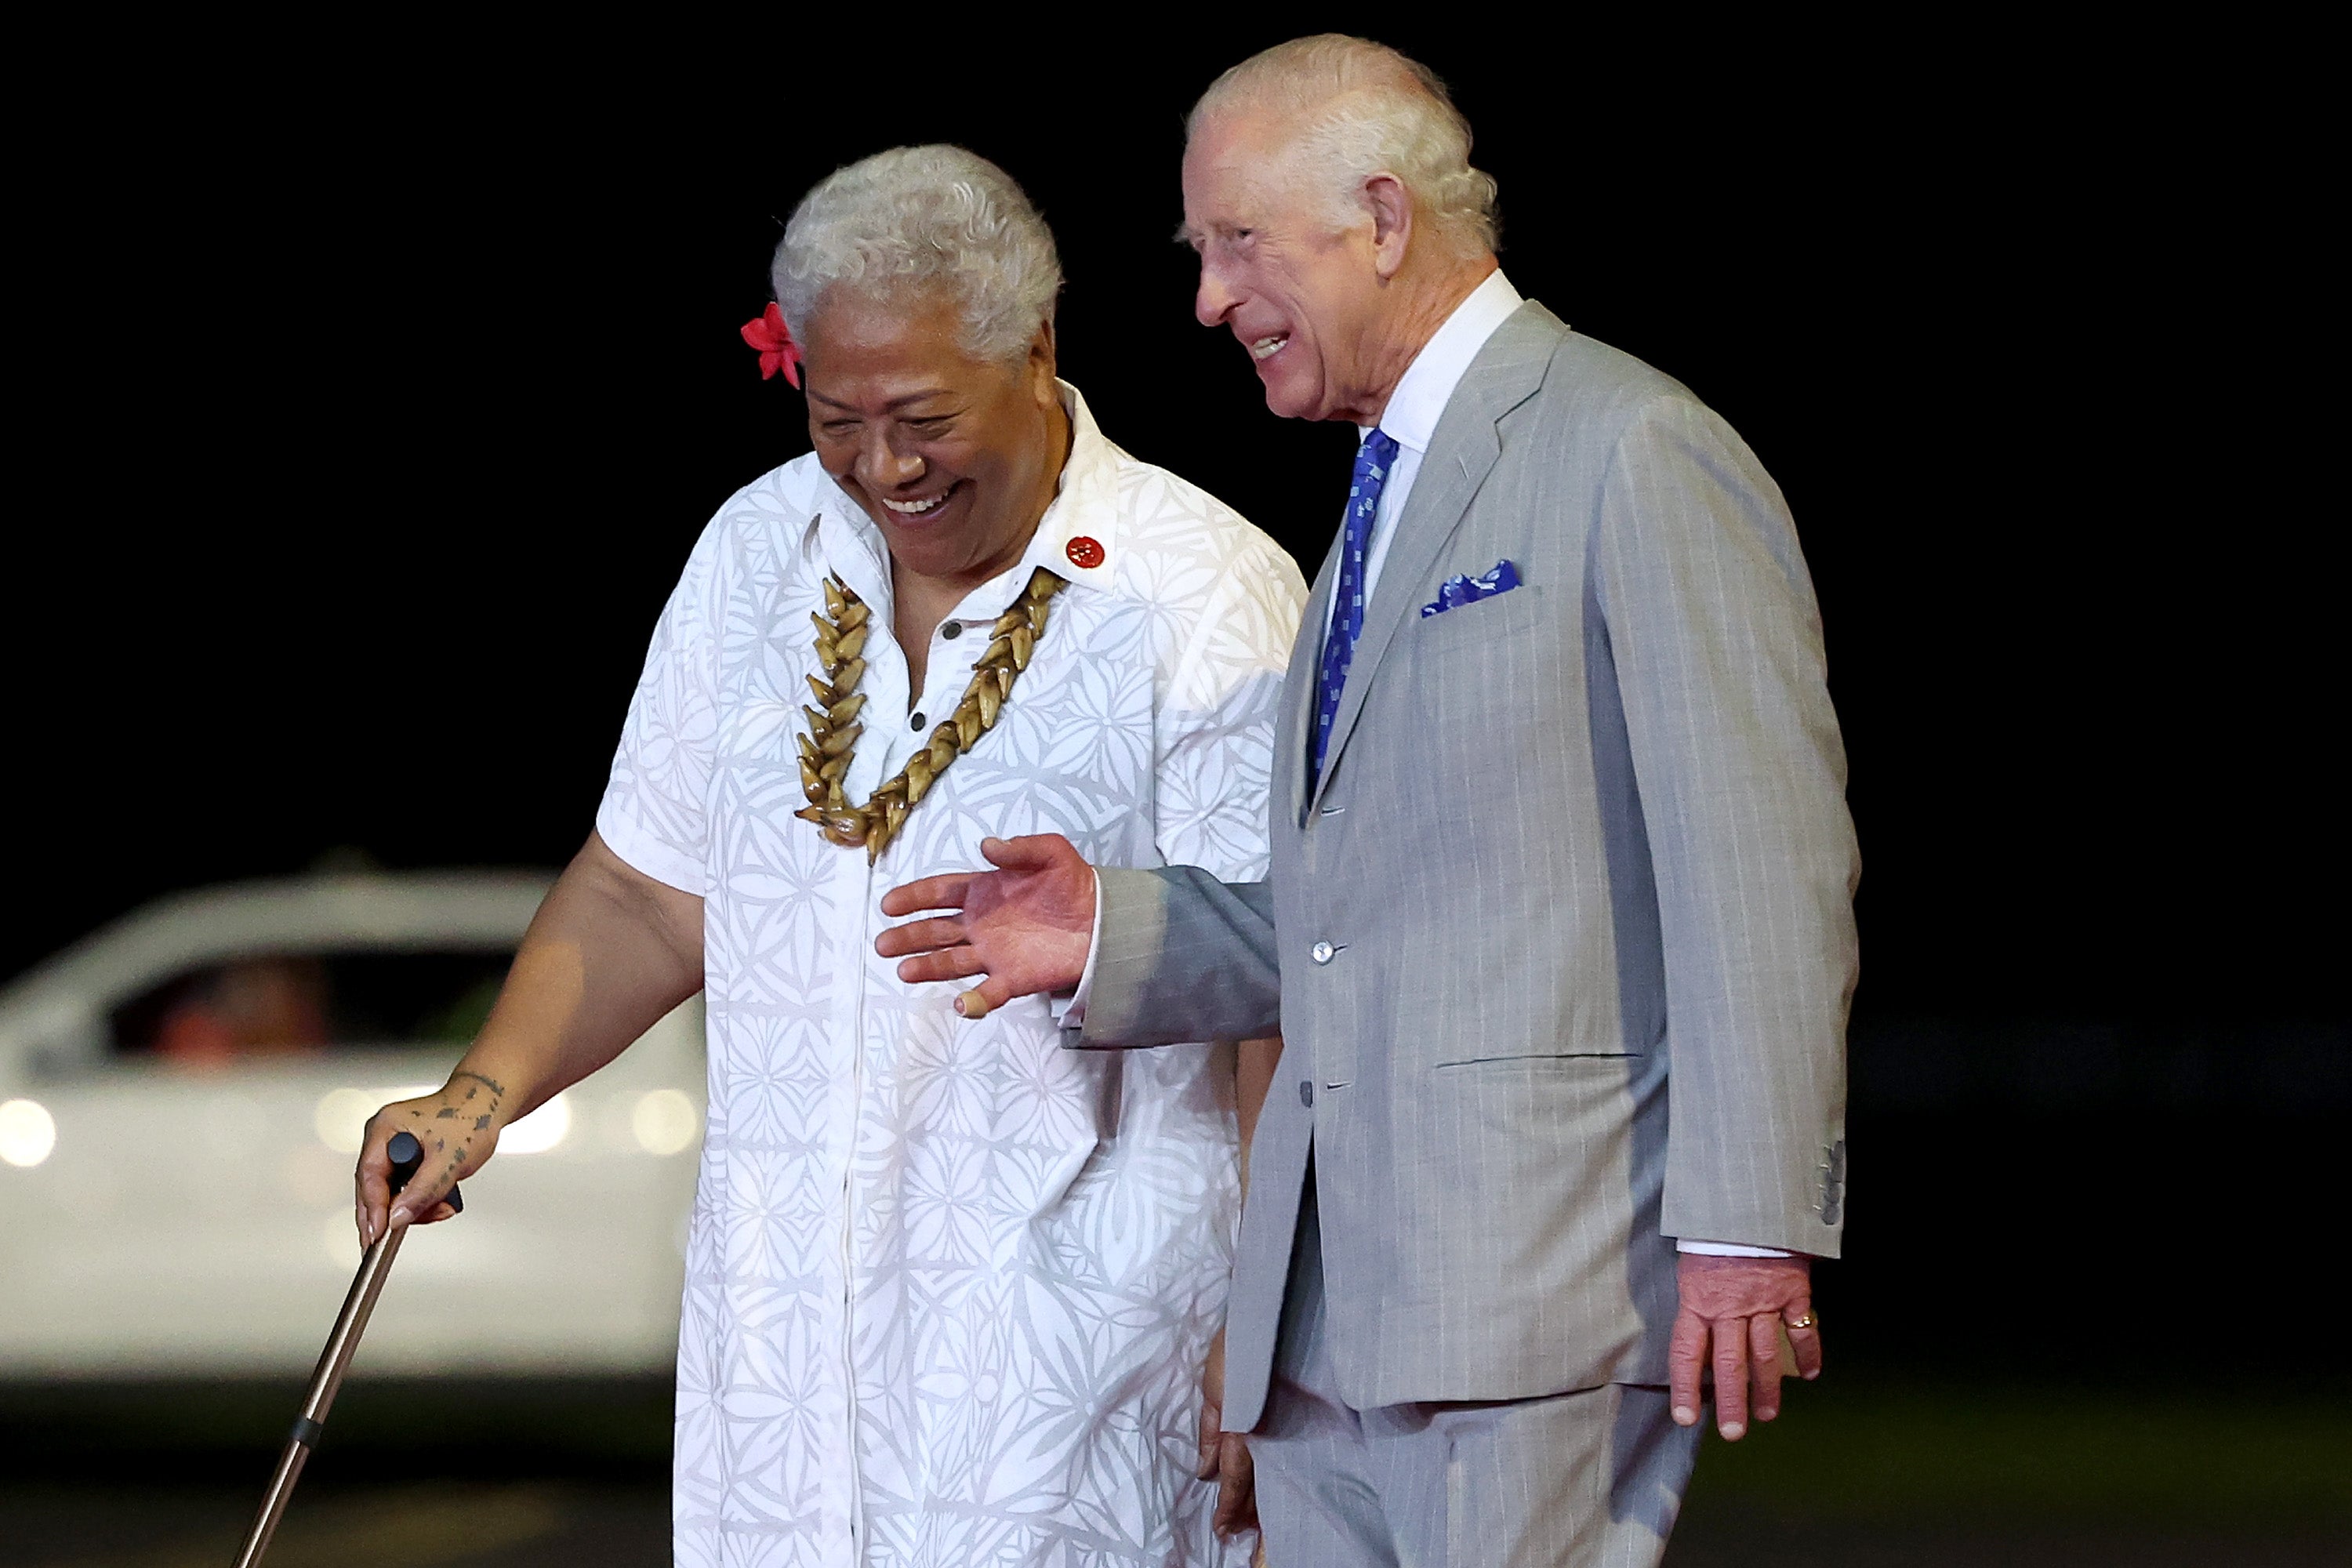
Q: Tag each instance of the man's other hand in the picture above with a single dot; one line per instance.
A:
(1742, 1305)
(1026, 925)
(1224, 1456)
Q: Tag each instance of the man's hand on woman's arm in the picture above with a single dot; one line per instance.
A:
(610, 951)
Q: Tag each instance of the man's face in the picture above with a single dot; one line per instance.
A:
(1300, 294)
(952, 457)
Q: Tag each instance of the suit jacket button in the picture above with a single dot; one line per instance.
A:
(1307, 1092)
(1321, 951)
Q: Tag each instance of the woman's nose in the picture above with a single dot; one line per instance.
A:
(882, 468)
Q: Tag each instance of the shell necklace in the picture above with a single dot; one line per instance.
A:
(833, 731)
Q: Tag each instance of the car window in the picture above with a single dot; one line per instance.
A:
(287, 1003)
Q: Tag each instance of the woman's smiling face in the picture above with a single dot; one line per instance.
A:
(954, 458)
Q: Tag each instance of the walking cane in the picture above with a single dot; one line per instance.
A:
(406, 1154)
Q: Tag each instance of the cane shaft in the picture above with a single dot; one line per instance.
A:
(273, 1505)
(326, 1382)
(351, 1323)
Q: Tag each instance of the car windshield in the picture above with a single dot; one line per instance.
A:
(278, 1003)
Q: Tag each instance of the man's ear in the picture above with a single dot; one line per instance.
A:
(1391, 208)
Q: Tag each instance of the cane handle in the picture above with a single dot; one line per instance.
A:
(407, 1156)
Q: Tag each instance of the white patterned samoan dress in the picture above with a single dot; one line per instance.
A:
(949, 1285)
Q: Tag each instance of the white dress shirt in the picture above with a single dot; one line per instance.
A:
(1411, 421)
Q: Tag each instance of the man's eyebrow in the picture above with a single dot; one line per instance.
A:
(892, 406)
(1186, 234)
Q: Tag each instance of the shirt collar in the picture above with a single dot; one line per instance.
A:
(1428, 383)
(1077, 539)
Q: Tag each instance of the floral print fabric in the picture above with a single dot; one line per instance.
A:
(949, 1285)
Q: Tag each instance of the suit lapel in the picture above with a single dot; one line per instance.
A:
(1298, 692)
(1461, 451)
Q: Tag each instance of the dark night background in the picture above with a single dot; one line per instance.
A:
(371, 417)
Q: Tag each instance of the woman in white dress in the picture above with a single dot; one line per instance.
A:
(951, 1289)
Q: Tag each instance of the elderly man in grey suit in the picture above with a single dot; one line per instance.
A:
(1559, 929)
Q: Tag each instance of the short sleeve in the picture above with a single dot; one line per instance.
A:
(654, 811)
(1217, 718)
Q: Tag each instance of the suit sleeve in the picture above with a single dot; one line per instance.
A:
(1182, 956)
(1186, 953)
(1716, 641)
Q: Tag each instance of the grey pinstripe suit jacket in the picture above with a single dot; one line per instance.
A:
(1581, 858)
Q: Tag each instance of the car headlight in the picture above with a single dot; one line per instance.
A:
(342, 1118)
(665, 1121)
(28, 1133)
(540, 1131)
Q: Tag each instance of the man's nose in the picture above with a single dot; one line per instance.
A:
(882, 467)
(1213, 298)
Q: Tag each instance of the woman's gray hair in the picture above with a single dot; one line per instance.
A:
(920, 219)
(1354, 109)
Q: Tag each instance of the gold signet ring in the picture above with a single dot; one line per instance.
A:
(1804, 1321)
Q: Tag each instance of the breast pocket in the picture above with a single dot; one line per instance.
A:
(1486, 620)
(1481, 721)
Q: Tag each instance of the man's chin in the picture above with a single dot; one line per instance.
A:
(1290, 400)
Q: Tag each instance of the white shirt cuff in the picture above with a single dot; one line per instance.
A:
(1730, 1249)
(1070, 1011)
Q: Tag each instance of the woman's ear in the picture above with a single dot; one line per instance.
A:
(1042, 365)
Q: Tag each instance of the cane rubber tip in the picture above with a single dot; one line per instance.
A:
(972, 1005)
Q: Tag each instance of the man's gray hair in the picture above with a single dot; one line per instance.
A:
(919, 218)
(1354, 109)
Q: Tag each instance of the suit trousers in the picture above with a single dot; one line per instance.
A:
(1589, 1479)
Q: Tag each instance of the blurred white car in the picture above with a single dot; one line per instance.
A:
(180, 1099)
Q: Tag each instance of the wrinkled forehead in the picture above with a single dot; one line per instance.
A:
(892, 329)
(1238, 172)
(886, 346)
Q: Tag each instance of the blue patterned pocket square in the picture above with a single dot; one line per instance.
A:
(1459, 590)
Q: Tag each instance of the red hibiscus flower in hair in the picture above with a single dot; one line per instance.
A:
(774, 340)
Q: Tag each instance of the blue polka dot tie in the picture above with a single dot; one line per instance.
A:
(1374, 459)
